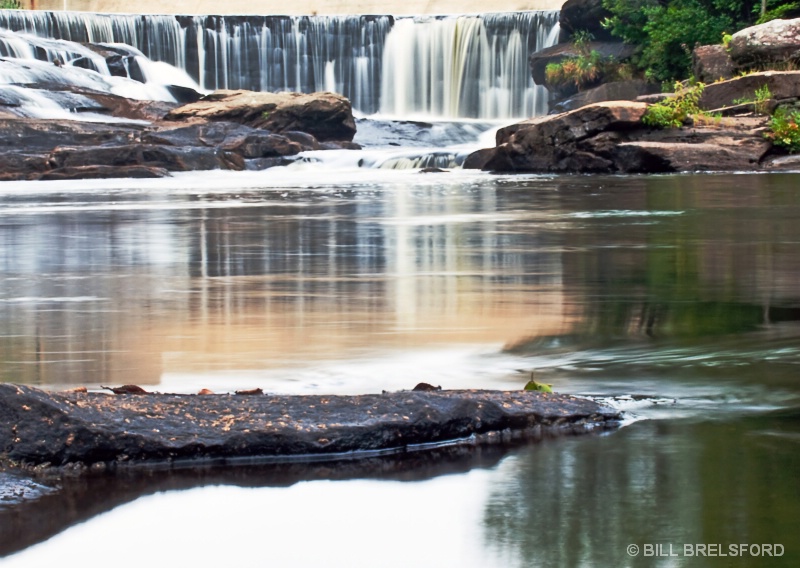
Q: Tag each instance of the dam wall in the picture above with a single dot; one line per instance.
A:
(297, 7)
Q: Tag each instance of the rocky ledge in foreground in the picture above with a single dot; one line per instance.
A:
(610, 137)
(96, 430)
(231, 130)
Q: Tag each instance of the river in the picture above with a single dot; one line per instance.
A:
(673, 297)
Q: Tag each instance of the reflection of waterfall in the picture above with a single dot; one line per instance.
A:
(472, 66)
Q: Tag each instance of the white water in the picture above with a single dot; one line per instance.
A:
(442, 67)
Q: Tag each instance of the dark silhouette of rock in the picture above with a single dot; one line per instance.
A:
(77, 430)
(426, 387)
(126, 389)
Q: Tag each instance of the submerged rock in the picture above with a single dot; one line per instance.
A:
(39, 428)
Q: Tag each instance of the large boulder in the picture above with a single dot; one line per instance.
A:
(553, 143)
(326, 116)
(610, 138)
(774, 41)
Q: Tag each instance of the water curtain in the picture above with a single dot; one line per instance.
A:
(449, 66)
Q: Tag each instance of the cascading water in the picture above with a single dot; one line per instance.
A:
(447, 67)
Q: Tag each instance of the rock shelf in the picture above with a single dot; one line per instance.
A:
(95, 431)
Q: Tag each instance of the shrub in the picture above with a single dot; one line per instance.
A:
(587, 68)
(784, 130)
(673, 112)
(10, 5)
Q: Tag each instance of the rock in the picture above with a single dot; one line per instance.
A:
(552, 143)
(326, 116)
(101, 172)
(782, 85)
(75, 430)
(656, 157)
(774, 41)
(711, 63)
(610, 138)
(66, 149)
(174, 159)
(617, 91)
(585, 15)
(477, 160)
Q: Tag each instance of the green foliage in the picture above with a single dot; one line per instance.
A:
(587, 68)
(759, 100)
(10, 5)
(782, 11)
(673, 112)
(784, 129)
(668, 30)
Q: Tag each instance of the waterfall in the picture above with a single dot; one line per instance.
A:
(465, 66)
(449, 66)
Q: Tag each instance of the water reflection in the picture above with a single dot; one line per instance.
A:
(678, 287)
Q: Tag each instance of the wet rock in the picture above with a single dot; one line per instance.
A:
(76, 430)
(102, 172)
(326, 116)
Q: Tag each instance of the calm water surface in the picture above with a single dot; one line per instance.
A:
(683, 289)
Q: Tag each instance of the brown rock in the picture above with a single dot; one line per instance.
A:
(326, 116)
(551, 144)
(782, 85)
(616, 91)
(711, 63)
(610, 138)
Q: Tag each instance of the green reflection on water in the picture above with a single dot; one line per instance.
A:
(582, 502)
